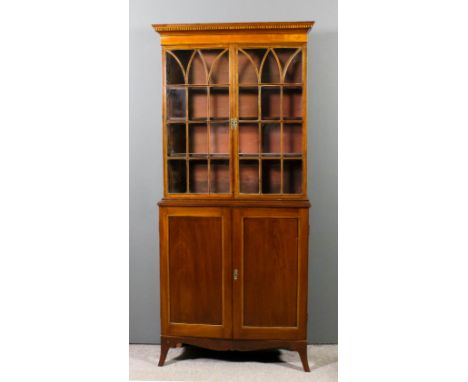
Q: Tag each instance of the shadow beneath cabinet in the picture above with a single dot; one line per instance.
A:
(194, 352)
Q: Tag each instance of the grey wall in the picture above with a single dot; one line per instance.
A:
(146, 176)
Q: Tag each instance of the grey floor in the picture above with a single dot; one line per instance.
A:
(194, 364)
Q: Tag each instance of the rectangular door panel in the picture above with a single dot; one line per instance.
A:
(270, 271)
(270, 263)
(196, 271)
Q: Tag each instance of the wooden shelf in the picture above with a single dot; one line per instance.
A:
(291, 121)
(183, 86)
(195, 121)
(284, 84)
(264, 156)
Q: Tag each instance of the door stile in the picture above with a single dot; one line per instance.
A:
(234, 128)
(304, 118)
(231, 115)
(237, 248)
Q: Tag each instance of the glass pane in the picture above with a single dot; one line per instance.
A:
(183, 56)
(248, 138)
(219, 103)
(294, 70)
(271, 138)
(219, 174)
(176, 65)
(248, 64)
(198, 138)
(292, 103)
(270, 70)
(176, 139)
(219, 138)
(210, 55)
(270, 103)
(174, 73)
(292, 138)
(176, 104)
(219, 68)
(197, 71)
(248, 176)
(248, 103)
(176, 176)
(271, 176)
(284, 55)
(197, 103)
(292, 176)
(198, 176)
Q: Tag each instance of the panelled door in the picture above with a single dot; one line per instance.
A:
(196, 277)
(270, 273)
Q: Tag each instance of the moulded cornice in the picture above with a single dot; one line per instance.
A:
(250, 27)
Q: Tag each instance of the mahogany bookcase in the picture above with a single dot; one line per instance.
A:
(234, 218)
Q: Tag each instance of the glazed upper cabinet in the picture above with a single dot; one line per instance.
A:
(234, 121)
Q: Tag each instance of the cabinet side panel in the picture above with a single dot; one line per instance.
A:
(270, 272)
(195, 270)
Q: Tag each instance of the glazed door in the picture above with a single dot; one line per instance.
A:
(196, 113)
(271, 113)
(196, 278)
(270, 273)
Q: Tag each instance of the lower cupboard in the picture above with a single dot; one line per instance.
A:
(234, 277)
